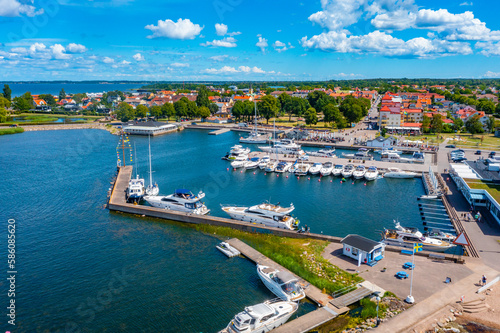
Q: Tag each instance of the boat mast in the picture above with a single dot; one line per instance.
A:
(135, 158)
(123, 149)
(150, 171)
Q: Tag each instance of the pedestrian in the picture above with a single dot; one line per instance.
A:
(484, 280)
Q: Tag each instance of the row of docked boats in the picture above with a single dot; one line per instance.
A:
(266, 316)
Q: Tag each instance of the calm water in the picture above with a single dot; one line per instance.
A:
(81, 266)
(70, 88)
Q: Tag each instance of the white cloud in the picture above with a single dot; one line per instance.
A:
(233, 70)
(59, 52)
(138, 57)
(182, 29)
(125, 62)
(281, 47)
(491, 74)
(381, 43)
(466, 3)
(108, 60)
(262, 43)
(221, 29)
(337, 14)
(11, 8)
(219, 57)
(76, 48)
(224, 42)
(21, 50)
(487, 48)
(179, 64)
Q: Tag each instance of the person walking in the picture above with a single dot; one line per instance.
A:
(483, 280)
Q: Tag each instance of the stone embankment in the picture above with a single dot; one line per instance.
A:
(30, 128)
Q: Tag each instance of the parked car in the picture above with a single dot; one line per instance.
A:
(478, 152)
(459, 159)
(450, 146)
(13, 125)
(493, 153)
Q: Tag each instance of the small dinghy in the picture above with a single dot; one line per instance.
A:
(228, 250)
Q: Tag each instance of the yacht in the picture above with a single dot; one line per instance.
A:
(388, 150)
(361, 154)
(235, 152)
(283, 167)
(263, 162)
(182, 201)
(293, 167)
(265, 213)
(271, 166)
(337, 170)
(239, 162)
(284, 148)
(418, 157)
(254, 136)
(407, 237)
(262, 317)
(315, 168)
(393, 157)
(282, 283)
(347, 171)
(152, 189)
(135, 189)
(323, 153)
(326, 169)
(371, 173)
(302, 168)
(438, 234)
(359, 172)
(253, 163)
(397, 173)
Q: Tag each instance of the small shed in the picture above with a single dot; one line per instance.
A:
(381, 142)
(362, 249)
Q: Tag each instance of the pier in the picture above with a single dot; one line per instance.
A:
(220, 131)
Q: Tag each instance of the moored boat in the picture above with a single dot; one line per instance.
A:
(407, 237)
(359, 172)
(326, 169)
(227, 249)
(347, 170)
(337, 170)
(315, 168)
(282, 283)
(181, 200)
(371, 173)
(398, 173)
(265, 213)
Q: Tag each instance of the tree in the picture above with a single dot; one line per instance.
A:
(486, 105)
(3, 115)
(204, 112)
(437, 123)
(125, 112)
(238, 109)
(78, 97)
(426, 124)
(286, 104)
(311, 116)
(268, 107)
(62, 94)
(202, 98)
(180, 109)
(490, 124)
(473, 125)
(458, 123)
(7, 92)
(4, 103)
(155, 111)
(497, 109)
(328, 113)
(21, 104)
(213, 108)
(314, 96)
(300, 106)
(167, 110)
(141, 111)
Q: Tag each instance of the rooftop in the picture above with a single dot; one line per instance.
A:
(360, 242)
(480, 184)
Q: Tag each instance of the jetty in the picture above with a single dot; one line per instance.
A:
(220, 131)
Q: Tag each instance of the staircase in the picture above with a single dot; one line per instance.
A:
(478, 305)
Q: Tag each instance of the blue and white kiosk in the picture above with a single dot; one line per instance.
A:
(362, 249)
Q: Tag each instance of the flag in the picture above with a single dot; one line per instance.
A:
(417, 247)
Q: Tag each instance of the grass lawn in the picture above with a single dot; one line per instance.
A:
(491, 188)
(301, 256)
(430, 138)
(11, 130)
(469, 140)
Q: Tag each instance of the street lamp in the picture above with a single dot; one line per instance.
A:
(378, 301)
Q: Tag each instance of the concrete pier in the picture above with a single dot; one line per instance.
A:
(220, 131)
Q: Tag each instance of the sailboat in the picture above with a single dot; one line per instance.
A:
(254, 136)
(152, 189)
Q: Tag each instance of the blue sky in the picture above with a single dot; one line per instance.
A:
(247, 40)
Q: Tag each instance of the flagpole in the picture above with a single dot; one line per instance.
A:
(410, 298)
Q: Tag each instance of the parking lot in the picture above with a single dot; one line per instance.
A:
(429, 274)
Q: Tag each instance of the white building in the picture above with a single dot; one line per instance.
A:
(149, 128)
(362, 249)
(382, 142)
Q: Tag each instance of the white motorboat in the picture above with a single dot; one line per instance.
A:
(393, 157)
(293, 167)
(315, 168)
(326, 169)
(347, 170)
(271, 166)
(371, 173)
(182, 201)
(438, 234)
(283, 167)
(282, 283)
(397, 173)
(283, 148)
(253, 163)
(135, 189)
(254, 137)
(337, 170)
(388, 150)
(323, 153)
(153, 188)
(407, 237)
(302, 168)
(262, 317)
(263, 162)
(239, 162)
(418, 157)
(361, 154)
(227, 249)
(359, 172)
(265, 213)
(236, 151)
